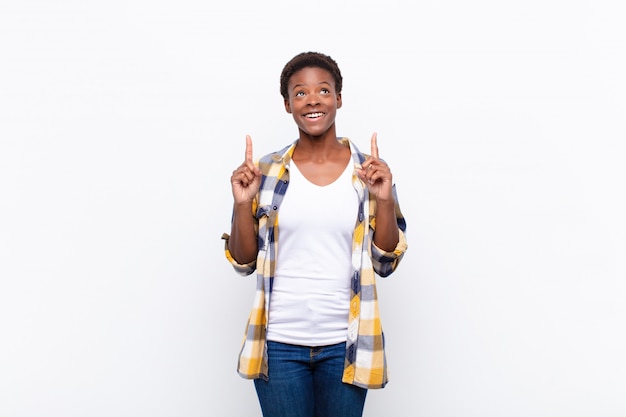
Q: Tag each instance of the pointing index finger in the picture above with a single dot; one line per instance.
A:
(248, 149)
(374, 146)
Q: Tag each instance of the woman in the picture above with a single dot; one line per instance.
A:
(313, 342)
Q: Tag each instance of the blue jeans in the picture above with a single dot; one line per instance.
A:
(306, 382)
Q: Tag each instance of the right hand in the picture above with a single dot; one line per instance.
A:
(246, 180)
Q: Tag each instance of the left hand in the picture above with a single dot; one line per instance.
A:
(376, 174)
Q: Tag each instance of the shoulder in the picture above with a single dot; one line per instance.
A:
(358, 156)
(270, 162)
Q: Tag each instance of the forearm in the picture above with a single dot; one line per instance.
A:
(386, 235)
(242, 244)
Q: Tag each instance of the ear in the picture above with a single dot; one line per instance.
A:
(339, 100)
(287, 106)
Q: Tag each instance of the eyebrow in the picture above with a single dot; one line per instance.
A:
(321, 83)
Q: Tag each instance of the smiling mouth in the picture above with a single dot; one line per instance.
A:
(313, 115)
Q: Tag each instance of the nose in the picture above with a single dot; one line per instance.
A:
(313, 99)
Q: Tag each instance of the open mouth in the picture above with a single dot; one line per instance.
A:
(314, 115)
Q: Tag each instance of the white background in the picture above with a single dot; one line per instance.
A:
(121, 122)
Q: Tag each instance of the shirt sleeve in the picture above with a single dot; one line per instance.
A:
(384, 262)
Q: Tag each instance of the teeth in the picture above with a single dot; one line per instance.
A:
(313, 115)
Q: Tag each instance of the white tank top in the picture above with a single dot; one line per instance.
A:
(311, 292)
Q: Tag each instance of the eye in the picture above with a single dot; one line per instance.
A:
(300, 94)
(325, 91)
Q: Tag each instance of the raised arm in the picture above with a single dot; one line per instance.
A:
(245, 183)
(377, 175)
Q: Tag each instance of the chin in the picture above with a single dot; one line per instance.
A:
(314, 134)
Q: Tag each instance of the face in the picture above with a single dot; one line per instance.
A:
(313, 101)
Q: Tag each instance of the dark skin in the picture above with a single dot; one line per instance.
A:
(313, 103)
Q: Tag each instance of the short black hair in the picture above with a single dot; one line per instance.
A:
(309, 60)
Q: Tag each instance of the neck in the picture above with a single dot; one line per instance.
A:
(319, 150)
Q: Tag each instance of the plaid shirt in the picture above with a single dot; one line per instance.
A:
(365, 363)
